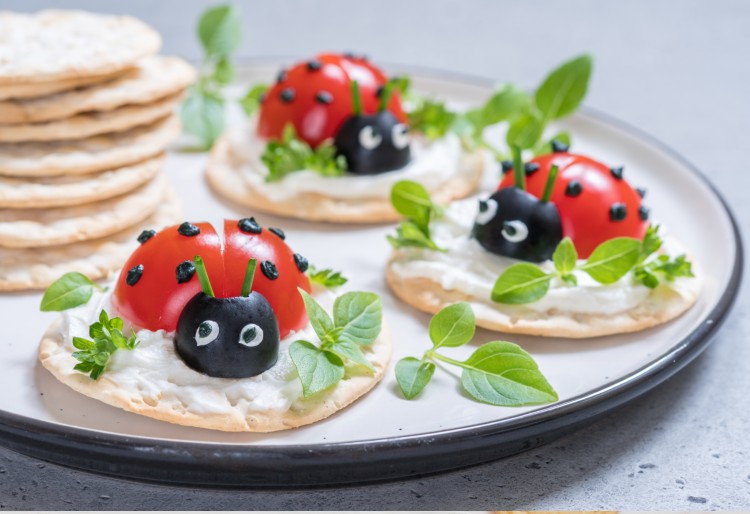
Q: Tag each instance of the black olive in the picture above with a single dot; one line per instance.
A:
(516, 224)
(228, 337)
(373, 144)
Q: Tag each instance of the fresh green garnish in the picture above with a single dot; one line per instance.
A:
(326, 277)
(497, 373)
(220, 32)
(610, 261)
(431, 118)
(291, 154)
(107, 336)
(250, 103)
(70, 290)
(411, 200)
(356, 323)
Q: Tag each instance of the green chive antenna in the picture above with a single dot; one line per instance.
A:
(356, 98)
(203, 276)
(247, 285)
(385, 95)
(518, 169)
(550, 183)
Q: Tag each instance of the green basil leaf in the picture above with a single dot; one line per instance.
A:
(525, 130)
(651, 242)
(223, 71)
(502, 373)
(251, 101)
(326, 277)
(611, 260)
(96, 371)
(360, 315)
(563, 90)
(70, 290)
(410, 235)
(565, 256)
(203, 116)
(506, 103)
(452, 326)
(220, 30)
(317, 369)
(319, 318)
(432, 118)
(351, 351)
(411, 200)
(413, 375)
(83, 344)
(521, 283)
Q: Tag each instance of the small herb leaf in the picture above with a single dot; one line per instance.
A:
(220, 30)
(502, 373)
(203, 116)
(359, 315)
(525, 130)
(521, 283)
(411, 200)
(413, 375)
(408, 234)
(565, 256)
(452, 326)
(107, 338)
(562, 91)
(611, 260)
(326, 277)
(70, 290)
(251, 101)
(317, 369)
(351, 351)
(319, 318)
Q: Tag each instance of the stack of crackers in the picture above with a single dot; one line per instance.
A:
(86, 114)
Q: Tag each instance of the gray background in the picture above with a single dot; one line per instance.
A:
(678, 70)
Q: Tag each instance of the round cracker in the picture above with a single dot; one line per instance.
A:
(83, 125)
(26, 269)
(223, 174)
(56, 45)
(98, 153)
(55, 355)
(33, 90)
(38, 193)
(153, 78)
(663, 304)
(34, 228)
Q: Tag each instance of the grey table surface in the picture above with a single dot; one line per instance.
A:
(678, 70)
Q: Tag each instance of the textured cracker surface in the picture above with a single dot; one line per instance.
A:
(223, 174)
(36, 268)
(56, 45)
(34, 89)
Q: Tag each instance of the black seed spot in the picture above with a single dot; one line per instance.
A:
(134, 275)
(249, 225)
(313, 65)
(618, 212)
(507, 166)
(287, 95)
(349, 55)
(641, 191)
(643, 212)
(323, 97)
(278, 232)
(558, 146)
(281, 77)
(530, 168)
(188, 229)
(616, 172)
(574, 188)
(301, 262)
(185, 271)
(146, 235)
(269, 270)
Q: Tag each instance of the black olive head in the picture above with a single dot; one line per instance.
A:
(228, 337)
(374, 143)
(515, 224)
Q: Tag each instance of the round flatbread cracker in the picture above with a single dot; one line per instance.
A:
(665, 303)
(98, 153)
(58, 45)
(25, 269)
(16, 193)
(223, 175)
(153, 78)
(87, 124)
(33, 90)
(34, 228)
(235, 416)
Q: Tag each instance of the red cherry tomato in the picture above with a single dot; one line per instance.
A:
(156, 300)
(315, 96)
(586, 217)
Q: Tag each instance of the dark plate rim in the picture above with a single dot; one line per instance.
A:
(163, 451)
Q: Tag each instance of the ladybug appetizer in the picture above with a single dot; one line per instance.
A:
(212, 330)
(331, 137)
(563, 248)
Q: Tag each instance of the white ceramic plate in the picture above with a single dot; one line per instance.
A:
(383, 435)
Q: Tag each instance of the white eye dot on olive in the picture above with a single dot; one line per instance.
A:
(369, 138)
(515, 231)
(400, 136)
(487, 211)
(206, 333)
(251, 335)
